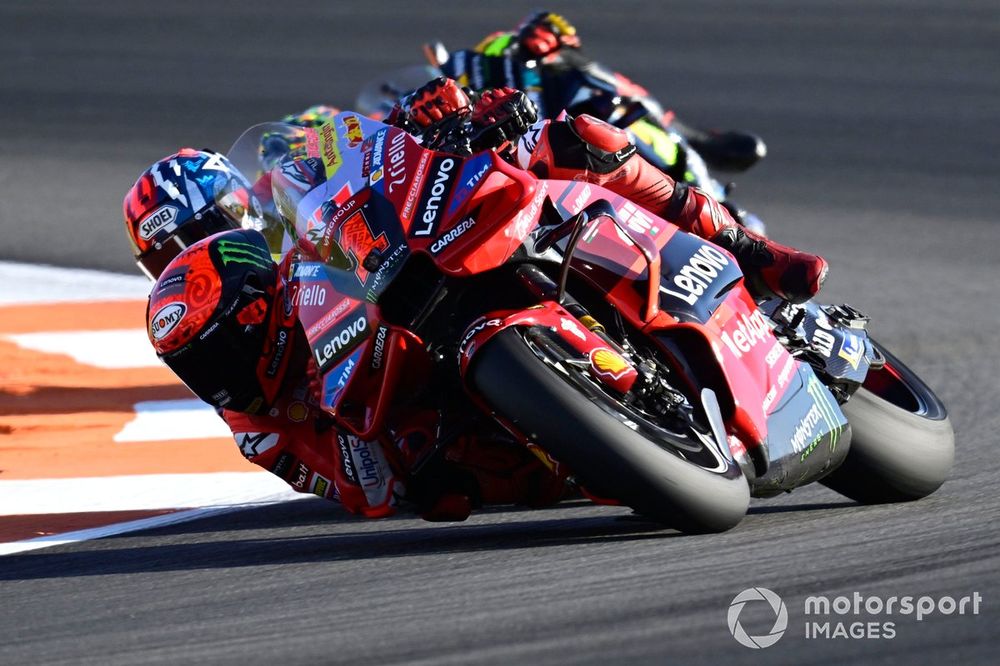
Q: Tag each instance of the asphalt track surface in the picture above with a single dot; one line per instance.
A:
(881, 119)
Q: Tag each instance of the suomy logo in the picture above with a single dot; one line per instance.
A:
(157, 220)
(165, 319)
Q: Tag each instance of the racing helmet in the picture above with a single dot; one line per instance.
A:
(181, 199)
(219, 316)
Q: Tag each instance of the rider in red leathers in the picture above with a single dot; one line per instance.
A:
(222, 316)
(585, 148)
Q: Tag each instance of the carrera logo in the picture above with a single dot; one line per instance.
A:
(158, 219)
(166, 319)
(452, 234)
(379, 347)
(438, 193)
(328, 350)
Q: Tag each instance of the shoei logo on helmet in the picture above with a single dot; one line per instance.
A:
(166, 319)
(157, 220)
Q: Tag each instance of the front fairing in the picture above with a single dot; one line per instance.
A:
(774, 402)
(358, 199)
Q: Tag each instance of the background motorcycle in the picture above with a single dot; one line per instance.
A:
(624, 352)
(578, 85)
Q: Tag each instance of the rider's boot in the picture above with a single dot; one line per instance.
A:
(590, 149)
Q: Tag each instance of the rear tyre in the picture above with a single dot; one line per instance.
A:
(903, 444)
(568, 414)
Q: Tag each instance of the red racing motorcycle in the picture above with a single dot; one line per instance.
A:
(624, 352)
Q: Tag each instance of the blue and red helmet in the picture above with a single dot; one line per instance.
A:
(181, 199)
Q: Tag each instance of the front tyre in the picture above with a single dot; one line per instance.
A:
(558, 406)
(903, 444)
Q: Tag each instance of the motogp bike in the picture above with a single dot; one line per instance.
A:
(575, 84)
(626, 354)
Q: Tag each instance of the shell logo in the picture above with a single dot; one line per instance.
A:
(609, 363)
(298, 412)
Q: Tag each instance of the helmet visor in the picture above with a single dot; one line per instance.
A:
(204, 224)
(220, 366)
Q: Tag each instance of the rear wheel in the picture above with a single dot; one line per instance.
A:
(903, 444)
(678, 478)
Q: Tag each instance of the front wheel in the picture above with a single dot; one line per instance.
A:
(611, 448)
(903, 444)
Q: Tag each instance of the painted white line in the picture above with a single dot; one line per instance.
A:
(130, 526)
(114, 349)
(140, 492)
(160, 420)
(31, 283)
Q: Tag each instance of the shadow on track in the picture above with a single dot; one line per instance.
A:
(321, 538)
(308, 531)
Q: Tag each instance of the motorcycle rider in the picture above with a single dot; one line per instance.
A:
(223, 317)
(585, 148)
(543, 56)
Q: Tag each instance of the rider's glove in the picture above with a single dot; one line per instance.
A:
(438, 100)
(501, 114)
(546, 32)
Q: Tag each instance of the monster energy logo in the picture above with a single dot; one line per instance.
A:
(235, 252)
(821, 405)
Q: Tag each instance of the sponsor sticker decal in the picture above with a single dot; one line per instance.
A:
(255, 443)
(320, 484)
(434, 197)
(166, 319)
(750, 331)
(851, 350)
(335, 345)
(453, 233)
(700, 271)
(608, 363)
(300, 476)
(160, 218)
(354, 134)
